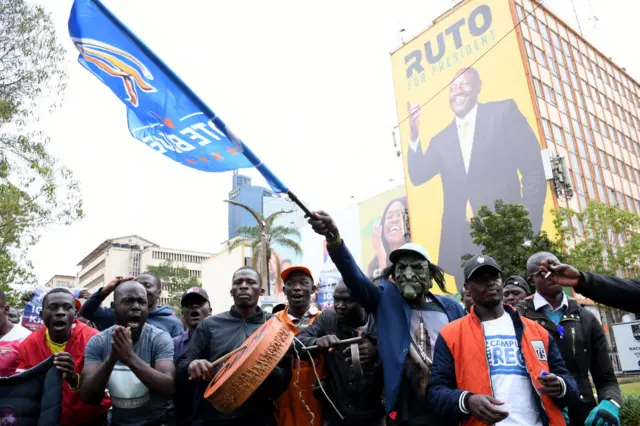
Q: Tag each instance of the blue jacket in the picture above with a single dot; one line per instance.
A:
(393, 318)
(161, 317)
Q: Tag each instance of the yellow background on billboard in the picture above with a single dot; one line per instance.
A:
(502, 73)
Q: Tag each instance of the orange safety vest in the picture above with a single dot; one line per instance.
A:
(465, 340)
(291, 410)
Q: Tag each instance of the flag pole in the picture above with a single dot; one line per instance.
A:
(307, 212)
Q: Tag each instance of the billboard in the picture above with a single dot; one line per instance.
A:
(468, 129)
(628, 342)
(382, 228)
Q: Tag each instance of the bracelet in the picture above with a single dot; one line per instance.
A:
(334, 243)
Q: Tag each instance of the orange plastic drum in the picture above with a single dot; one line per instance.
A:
(245, 371)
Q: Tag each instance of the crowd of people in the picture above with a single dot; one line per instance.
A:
(505, 355)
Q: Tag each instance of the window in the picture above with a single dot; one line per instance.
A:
(557, 134)
(612, 196)
(572, 110)
(555, 39)
(586, 169)
(548, 94)
(591, 189)
(529, 48)
(596, 95)
(538, 88)
(540, 56)
(612, 164)
(603, 159)
(621, 168)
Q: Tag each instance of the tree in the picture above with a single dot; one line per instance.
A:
(35, 189)
(284, 236)
(506, 235)
(175, 280)
(602, 239)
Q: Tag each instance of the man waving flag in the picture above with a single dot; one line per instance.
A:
(162, 111)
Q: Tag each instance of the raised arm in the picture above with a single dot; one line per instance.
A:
(422, 166)
(103, 317)
(95, 374)
(360, 287)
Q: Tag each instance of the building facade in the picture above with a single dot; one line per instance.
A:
(61, 281)
(130, 256)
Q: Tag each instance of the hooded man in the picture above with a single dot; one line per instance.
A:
(297, 315)
(159, 316)
(408, 316)
(64, 338)
(195, 308)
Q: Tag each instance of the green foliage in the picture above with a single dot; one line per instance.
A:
(175, 280)
(630, 411)
(602, 239)
(35, 190)
(13, 297)
(506, 235)
(285, 236)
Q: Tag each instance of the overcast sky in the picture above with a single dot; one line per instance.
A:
(307, 85)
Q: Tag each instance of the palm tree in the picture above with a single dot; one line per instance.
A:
(252, 236)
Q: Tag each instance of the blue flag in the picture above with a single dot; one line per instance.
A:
(162, 111)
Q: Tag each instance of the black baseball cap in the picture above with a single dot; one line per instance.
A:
(477, 262)
(197, 291)
(518, 281)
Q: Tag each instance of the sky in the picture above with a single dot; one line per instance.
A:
(307, 85)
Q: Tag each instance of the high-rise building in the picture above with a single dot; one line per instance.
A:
(587, 107)
(503, 100)
(130, 256)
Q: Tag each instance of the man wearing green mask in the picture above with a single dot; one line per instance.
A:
(409, 318)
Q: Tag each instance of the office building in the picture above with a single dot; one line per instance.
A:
(588, 109)
(61, 281)
(130, 256)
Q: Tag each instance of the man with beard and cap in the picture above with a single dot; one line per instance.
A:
(134, 361)
(355, 388)
(159, 316)
(515, 289)
(220, 334)
(14, 315)
(195, 307)
(408, 317)
(494, 366)
(297, 315)
(582, 342)
(66, 339)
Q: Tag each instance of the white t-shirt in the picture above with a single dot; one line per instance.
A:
(510, 380)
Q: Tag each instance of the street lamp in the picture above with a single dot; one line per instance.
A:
(264, 244)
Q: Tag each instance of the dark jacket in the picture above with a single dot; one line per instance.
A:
(460, 364)
(161, 317)
(502, 136)
(584, 349)
(393, 318)
(616, 292)
(359, 400)
(217, 336)
(33, 396)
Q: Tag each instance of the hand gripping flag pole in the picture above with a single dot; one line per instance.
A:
(162, 111)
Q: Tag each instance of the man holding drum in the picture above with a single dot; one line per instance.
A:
(221, 334)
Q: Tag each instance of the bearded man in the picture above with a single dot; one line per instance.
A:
(408, 316)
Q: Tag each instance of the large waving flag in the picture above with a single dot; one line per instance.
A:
(162, 111)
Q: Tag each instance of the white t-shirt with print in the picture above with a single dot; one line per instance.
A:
(510, 380)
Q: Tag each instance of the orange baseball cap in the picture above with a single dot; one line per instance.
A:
(284, 274)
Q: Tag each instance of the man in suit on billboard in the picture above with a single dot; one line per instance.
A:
(488, 152)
